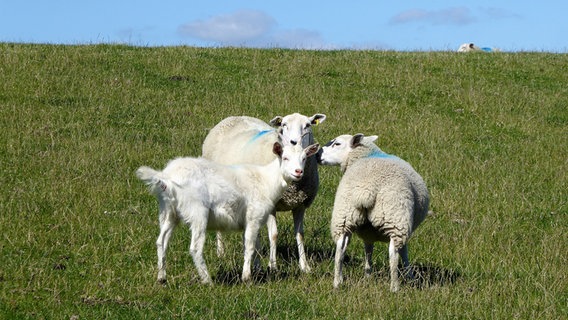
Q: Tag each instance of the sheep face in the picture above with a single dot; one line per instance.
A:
(337, 150)
(296, 128)
(294, 160)
(467, 47)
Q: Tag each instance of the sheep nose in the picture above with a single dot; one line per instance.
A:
(293, 142)
(299, 171)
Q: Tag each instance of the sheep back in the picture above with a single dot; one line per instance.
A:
(240, 139)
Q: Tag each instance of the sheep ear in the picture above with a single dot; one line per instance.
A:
(317, 118)
(276, 122)
(356, 140)
(312, 149)
(371, 138)
(277, 149)
(329, 143)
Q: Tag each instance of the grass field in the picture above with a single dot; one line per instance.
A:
(488, 132)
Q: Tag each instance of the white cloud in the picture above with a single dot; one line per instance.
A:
(233, 29)
(450, 16)
(498, 13)
(251, 29)
(298, 39)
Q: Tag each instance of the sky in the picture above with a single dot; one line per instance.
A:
(440, 25)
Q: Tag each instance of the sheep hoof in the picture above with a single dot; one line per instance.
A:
(305, 268)
(337, 283)
(394, 288)
(162, 281)
(246, 278)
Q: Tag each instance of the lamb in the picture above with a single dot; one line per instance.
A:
(380, 198)
(243, 139)
(211, 196)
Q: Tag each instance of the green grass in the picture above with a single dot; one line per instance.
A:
(488, 132)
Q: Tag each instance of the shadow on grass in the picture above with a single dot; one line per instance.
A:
(232, 276)
(424, 275)
(287, 261)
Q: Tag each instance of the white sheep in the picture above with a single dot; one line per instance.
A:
(468, 47)
(471, 47)
(380, 198)
(243, 139)
(211, 196)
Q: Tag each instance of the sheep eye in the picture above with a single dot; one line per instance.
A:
(308, 125)
(336, 144)
(285, 158)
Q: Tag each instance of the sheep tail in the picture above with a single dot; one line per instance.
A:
(157, 185)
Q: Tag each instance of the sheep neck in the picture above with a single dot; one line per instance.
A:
(273, 175)
(369, 150)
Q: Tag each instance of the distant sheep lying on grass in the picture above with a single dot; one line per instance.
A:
(380, 198)
(210, 196)
(469, 47)
(244, 139)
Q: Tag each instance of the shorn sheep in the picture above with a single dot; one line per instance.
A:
(380, 198)
(211, 196)
(243, 139)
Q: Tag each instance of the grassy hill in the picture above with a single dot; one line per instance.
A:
(488, 132)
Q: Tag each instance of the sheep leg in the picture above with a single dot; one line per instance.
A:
(256, 262)
(368, 258)
(340, 249)
(168, 223)
(272, 238)
(298, 215)
(196, 249)
(393, 262)
(220, 245)
(406, 263)
(250, 237)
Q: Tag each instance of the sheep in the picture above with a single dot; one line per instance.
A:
(469, 47)
(241, 139)
(380, 198)
(211, 196)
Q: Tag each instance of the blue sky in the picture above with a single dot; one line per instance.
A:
(510, 25)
